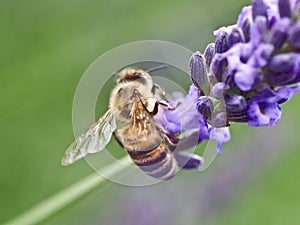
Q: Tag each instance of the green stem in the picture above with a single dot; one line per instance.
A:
(66, 196)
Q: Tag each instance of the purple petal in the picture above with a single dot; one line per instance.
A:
(260, 55)
(184, 117)
(193, 94)
(220, 135)
(270, 96)
(263, 114)
(285, 93)
(246, 76)
(263, 109)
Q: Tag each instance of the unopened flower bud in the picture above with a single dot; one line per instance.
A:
(282, 63)
(259, 9)
(209, 53)
(278, 33)
(205, 106)
(284, 7)
(222, 44)
(236, 36)
(294, 37)
(217, 67)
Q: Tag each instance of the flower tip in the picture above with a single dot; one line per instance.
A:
(209, 53)
(221, 44)
(284, 7)
(259, 9)
(236, 36)
(218, 67)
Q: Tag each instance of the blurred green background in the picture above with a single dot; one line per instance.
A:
(45, 48)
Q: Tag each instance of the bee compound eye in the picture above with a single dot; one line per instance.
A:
(138, 76)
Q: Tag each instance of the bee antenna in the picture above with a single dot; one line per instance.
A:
(157, 68)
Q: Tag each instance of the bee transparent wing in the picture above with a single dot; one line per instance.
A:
(93, 140)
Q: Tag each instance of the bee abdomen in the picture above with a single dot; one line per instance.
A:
(159, 163)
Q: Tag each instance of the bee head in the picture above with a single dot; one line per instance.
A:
(135, 75)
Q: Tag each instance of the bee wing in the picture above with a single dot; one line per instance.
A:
(93, 140)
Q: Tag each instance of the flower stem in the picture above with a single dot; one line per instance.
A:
(53, 204)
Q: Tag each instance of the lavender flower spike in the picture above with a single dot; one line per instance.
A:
(244, 76)
(258, 61)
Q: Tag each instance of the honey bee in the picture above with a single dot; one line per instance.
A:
(133, 103)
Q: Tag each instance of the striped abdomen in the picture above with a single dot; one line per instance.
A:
(158, 162)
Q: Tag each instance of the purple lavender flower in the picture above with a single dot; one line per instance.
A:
(253, 66)
(189, 125)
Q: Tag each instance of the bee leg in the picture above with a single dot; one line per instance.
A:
(188, 161)
(166, 104)
(150, 105)
(172, 139)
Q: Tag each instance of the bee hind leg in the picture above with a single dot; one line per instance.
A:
(172, 139)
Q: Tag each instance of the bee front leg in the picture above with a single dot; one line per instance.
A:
(166, 105)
